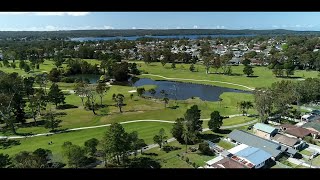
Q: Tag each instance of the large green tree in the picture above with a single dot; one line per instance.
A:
(55, 95)
(160, 138)
(215, 121)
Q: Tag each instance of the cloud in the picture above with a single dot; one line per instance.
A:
(195, 27)
(53, 28)
(275, 26)
(47, 13)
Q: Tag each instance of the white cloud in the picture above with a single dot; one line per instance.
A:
(195, 27)
(275, 26)
(220, 27)
(133, 28)
(53, 28)
(47, 13)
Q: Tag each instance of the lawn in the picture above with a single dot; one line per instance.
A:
(316, 161)
(146, 131)
(172, 160)
(237, 120)
(225, 144)
(306, 152)
(265, 75)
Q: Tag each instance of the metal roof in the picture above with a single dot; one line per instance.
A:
(243, 137)
(254, 155)
(264, 128)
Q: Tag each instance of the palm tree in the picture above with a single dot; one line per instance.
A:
(152, 92)
(119, 99)
(166, 101)
(248, 106)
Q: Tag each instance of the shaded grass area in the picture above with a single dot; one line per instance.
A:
(146, 131)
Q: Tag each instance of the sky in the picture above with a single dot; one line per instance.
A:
(50, 21)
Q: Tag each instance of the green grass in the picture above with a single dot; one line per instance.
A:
(236, 120)
(146, 131)
(265, 76)
(316, 161)
(225, 144)
(171, 160)
(199, 158)
(306, 152)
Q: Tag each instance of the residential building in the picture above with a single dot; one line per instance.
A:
(264, 130)
(292, 142)
(273, 148)
(295, 131)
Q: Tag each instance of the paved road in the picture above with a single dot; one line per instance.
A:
(105, 125)
(250, 88)
(300, 162)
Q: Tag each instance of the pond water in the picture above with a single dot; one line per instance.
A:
(93, 78)
(175, 90)
(183, 91)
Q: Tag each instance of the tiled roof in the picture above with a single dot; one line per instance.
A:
(285, 139)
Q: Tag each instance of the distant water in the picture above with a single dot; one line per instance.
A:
(132, 38)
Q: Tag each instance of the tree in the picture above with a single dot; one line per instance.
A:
(288, 68)
(248, 70)
(131, 96)
(58, 59)
(51, 122)
(166, 101)
(115, 142)
(5, 161)
(152, 91)
(205, 149)
(22, 64)
(177, 129)
(133, 69)
(119, 99)
(140, 91)
(102, 89)
(192, 68)
(55, 95)
(215, 121)
(160, 138)
(121, 71)
(54, 75)
(263, 102)
(246, 62)
(82, 90)
(91, 145)
(40, 158)
(173, 65)
(192, 116)
(207, 62)
(135, 142)
(186, 134)
(245, 106)
(75, 155)
(26, 68)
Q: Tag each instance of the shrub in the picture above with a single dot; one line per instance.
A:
(187, 159)
(204, 148)
(68, 80)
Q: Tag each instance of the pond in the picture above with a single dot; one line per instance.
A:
(183, 91)
(175, 90)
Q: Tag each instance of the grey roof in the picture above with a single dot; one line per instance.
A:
(285, 139)
(264, 128)
(292, 151)
(251, 140)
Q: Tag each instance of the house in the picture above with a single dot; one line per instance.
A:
(310, 117)
(292, 142)
(250, 156)
(264, 130)
(235, 61)
(315, 112)
(313, 127)
(242, 137)
(227, 163)
(295, 131)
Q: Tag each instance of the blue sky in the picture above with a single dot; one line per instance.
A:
(39, 21)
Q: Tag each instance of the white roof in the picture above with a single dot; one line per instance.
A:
(214, 160)
(306, 116)
(237, 148)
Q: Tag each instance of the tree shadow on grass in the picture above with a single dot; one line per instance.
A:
(211, 137)
(67, 106)
(174, 107)
(8, 143)
(252, 76)
(290, 77)
(150, 154)
(144, 162)
(224, 131)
